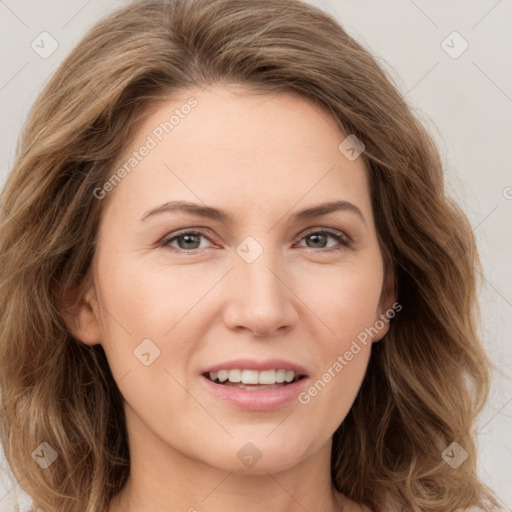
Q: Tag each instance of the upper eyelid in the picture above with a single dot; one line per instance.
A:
(203, 231)
(333, 231)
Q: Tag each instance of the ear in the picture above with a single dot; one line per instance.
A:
(80, 312)
(388, 306)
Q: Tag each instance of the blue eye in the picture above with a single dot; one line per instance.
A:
(190, 241)
(322, 235)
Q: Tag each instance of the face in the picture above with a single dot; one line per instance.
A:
(265, 292)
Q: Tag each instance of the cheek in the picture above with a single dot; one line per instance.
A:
(348, 306)
(331, 393)
(144, 310)
(150, 336)
(173, 307)
(151, 299)
(345, 297)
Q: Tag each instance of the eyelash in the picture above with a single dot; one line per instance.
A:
(343, 240)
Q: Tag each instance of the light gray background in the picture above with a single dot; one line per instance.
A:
(466, 103)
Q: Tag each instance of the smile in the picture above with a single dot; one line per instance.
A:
(253, 379)
(255, 386)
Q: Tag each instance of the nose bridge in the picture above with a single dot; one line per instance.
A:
(261, 301)
(258, 267)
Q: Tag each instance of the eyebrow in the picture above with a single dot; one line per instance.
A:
(223, 216)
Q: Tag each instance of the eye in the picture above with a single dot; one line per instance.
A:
(187, 241)
(319, 236)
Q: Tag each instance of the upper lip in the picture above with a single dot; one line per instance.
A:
(253, 364)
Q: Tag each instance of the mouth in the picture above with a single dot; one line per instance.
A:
(254, 379)
(255, 386)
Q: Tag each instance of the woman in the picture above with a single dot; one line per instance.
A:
(317, 348)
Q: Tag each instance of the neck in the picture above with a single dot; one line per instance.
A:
(162, 476)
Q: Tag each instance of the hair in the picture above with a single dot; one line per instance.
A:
(426, 381)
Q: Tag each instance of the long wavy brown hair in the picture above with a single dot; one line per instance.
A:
(425, 383)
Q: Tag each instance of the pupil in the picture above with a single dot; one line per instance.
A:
(321, 236)
(187, 239)
(316, 238)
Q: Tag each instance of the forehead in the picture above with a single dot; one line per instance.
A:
(228, 143)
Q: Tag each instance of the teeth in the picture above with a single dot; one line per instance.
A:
(249, 376)
(235, 375)
(265, 377)
(289, 376)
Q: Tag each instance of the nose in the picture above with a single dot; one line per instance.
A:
(260, 298)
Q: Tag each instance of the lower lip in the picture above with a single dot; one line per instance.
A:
(257, 399)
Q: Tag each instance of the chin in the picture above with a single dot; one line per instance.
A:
(262, 454)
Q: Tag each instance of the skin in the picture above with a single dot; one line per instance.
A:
(261, 157)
